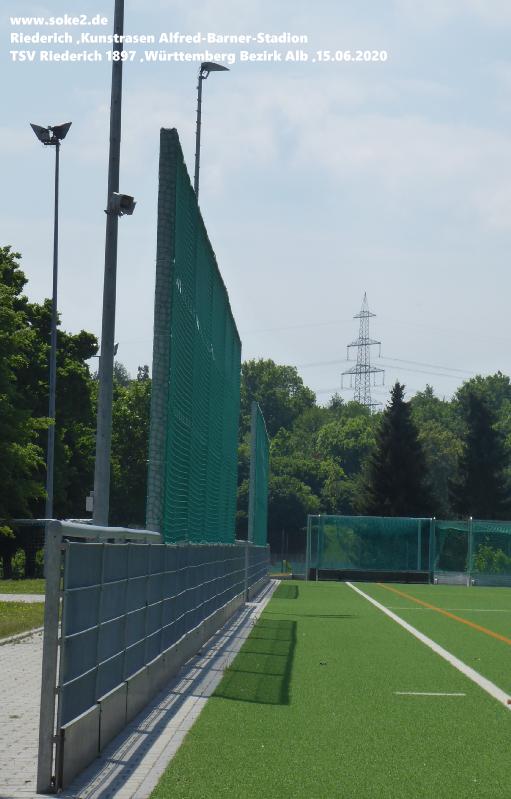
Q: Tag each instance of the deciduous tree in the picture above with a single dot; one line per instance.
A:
(279, 390)
(20, 456)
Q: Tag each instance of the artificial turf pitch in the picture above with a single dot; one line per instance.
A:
(310, 707)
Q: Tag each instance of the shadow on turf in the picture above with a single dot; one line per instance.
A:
(286, 592)
(312, 615)
(261, 672)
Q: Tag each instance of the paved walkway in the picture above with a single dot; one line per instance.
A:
(20, 687)
(130, 767)
(21, 597)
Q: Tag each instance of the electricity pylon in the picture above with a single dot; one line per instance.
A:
(363, 373)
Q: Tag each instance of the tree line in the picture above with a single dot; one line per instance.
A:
(425, 456)
(422, 456)
(24, 357)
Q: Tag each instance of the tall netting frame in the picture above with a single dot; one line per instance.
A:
(258, 478)
(196, 372)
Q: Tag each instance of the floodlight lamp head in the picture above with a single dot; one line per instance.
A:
(53, 134)
(60, 131)
(43, 134)
(209, 66)
(121, 204)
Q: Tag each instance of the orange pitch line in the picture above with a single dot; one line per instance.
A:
(448, 614)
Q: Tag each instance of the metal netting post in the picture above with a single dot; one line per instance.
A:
(432, 549)
(307, 545)
(419, 544)
(469, 550)
(49, 661)
(125, 615)
(320, 529)
(60, 710)
(252, 481)
(164, 581)
(247, 545)
(100, 614)
(146, 610)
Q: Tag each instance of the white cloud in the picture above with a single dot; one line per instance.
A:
(460, 167)
(282, 126)
(494, 12)
(14, 141)
(435, 13)
(232, 15)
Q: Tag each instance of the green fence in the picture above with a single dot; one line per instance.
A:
(259, 476)
(196, 372)
(475, 551)
(469, 552)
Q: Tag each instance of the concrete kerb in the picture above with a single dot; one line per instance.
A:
(112, 708)
(80, 743)
(255, 589)
(20, 636)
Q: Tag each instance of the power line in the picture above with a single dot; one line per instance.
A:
(379, 391)
(429, 326)
(337, 389)
(422, 371)
(402, 368)
(292, 327)
(426, 325)
(432, 365)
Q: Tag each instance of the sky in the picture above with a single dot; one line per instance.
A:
(320, 179)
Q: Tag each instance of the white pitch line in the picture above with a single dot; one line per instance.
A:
(469, 672)
(427, 693)
(465, 610)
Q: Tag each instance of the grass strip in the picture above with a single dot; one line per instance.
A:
(309, 709)
(22, 586)
(16, 617)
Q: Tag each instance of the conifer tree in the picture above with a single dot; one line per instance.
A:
(480, 488)
(396, 478)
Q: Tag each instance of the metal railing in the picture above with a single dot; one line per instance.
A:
(127, 600)
(56, 531)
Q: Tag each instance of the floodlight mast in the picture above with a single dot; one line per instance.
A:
(52, 136)
(205, 68)
(117, 205)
